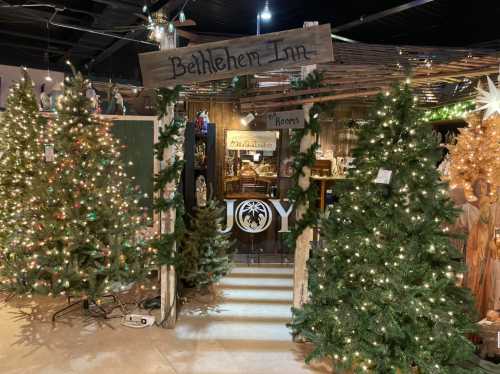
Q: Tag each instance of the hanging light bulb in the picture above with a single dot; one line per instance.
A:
(171, 27)
(266, 14)
(182, 16)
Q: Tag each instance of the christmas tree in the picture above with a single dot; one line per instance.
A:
(22, 177)
(205, 251)
(88, 242)
(382, 283)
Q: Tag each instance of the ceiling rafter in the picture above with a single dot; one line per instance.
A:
(52, 40)
(380, 15)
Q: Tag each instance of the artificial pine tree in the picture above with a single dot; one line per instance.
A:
(23, 186)
(88, 242)
(205, 251)
(382, 287)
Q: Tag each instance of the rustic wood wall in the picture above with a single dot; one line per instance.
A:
(334, 133)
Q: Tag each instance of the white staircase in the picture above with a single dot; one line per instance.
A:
(254, 303)
(243, 330)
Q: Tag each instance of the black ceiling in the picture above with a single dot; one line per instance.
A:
(24, 33)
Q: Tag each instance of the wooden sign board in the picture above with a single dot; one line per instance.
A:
(237, 140)
(292, 119)
(241, 56)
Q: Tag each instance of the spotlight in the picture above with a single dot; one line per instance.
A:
(245, 121)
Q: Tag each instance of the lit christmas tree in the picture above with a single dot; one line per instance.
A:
(382, 284)
(89, 241)
(22, 178)
(205, 251)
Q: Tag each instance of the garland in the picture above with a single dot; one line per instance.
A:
(296, 194)
(449, 112)
(168, 136)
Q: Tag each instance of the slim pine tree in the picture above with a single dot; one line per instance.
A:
(383, 297)
(205, 251)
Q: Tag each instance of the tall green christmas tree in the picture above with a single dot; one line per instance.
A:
(205, 250)
(88, 242)
(22, 177)
(382, 287)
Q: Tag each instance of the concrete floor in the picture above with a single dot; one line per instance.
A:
(241, 331)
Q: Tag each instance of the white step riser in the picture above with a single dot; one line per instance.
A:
(253, 282)
(250, 270)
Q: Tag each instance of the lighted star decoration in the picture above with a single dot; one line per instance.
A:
(490, 100)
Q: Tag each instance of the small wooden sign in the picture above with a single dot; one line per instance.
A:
(237, 140)
(241, 56)
(291, 119)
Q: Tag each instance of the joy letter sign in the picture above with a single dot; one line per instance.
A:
(241, 56)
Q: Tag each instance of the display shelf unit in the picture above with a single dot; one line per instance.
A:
(194, 168)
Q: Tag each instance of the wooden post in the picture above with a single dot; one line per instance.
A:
(303, 243)
(168, 311)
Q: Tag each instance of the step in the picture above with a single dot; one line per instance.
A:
(258, 296)
(235, 311)
(256, 282)
(203, 330)
(263, 265)
(265, 272)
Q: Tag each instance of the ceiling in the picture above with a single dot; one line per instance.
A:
(25, 38)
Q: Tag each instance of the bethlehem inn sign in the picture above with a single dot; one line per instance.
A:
(255, 216)
(239, 56)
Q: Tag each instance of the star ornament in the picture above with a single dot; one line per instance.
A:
(489, 100)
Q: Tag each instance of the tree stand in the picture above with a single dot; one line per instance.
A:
(86, 305)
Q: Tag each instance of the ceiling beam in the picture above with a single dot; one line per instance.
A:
(120, 5)
(52, 40)
(169, 6)
(36, 15)
(116, 46)
(379, 15)
(52, 51)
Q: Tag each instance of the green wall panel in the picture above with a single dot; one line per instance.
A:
(137, 137)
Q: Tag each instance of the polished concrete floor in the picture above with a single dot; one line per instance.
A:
(242, 330)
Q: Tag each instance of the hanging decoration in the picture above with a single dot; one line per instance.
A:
(169, 136)
(449, 112)
(490, 100)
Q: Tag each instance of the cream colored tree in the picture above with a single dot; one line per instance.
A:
(475, 167)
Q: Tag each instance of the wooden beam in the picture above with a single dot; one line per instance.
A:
(311, 100)
(248, 102)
